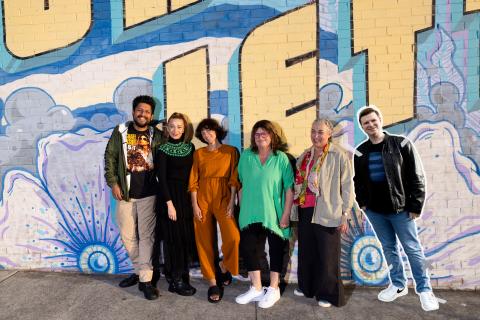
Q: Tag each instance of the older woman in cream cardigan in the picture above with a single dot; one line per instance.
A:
(324, 197)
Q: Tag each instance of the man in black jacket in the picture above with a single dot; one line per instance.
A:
(390, 189)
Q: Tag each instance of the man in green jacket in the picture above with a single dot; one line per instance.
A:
(129, 172)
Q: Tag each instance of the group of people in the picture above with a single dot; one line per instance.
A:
(166, 190)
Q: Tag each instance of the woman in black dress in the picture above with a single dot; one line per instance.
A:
(175, 160)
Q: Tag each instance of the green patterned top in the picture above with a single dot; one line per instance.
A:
(181, 149)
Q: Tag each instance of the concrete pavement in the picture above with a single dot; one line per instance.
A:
(49, 295)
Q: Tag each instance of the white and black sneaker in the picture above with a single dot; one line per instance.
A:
(391, 293)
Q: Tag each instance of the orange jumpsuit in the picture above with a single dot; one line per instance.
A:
(213, 174)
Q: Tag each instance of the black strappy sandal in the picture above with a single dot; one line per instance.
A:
(226, 278)
(215, 290)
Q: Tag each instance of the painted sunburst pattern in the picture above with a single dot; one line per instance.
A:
(67, 213)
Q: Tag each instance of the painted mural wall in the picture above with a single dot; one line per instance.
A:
(70, 69)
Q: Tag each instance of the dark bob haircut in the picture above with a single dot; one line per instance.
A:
(144, 99)
(268, 126)
(210, 124)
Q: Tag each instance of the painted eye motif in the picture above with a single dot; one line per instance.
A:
(89, 244)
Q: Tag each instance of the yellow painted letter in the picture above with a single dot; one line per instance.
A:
(387, 30)
(177, 4)
(278, 75)
(32, 27)
(138, 11)
(472, 5)
(186, 82)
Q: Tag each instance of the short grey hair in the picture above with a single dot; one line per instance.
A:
(327, 123)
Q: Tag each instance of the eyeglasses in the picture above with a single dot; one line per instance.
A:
(261, 134)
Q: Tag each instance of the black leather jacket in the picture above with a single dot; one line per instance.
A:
(403, 170)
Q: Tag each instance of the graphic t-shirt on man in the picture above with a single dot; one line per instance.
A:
(140, 163)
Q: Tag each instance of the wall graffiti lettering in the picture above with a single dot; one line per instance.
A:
(64, 86)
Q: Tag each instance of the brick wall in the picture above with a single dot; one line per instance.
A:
(69, 70)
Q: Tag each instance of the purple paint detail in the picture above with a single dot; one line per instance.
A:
(30, 247)
(445, 255)
(17, 176)
(2, 233)
(41, 194)
(5, 217)
(466, 233)
(449, 267)
(469, 284)
(8, 261)
(421, 132)
(80, 146)
(80, 188)
(99, 183)
(427, 214)
(463, 219)
(44, 169)
(472, 230)
(474, 261)
(45, 223)
(466, 173)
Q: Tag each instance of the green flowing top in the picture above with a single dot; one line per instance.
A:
(263, 190)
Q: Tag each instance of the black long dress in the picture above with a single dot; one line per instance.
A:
(319, 250)
(175, 160)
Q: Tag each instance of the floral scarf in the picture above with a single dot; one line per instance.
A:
(304, 177)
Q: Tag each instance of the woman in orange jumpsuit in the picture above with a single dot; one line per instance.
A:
(213, 186)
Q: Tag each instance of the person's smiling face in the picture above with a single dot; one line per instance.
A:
(320, 134)
(262, 138)
(176, 128)
(142, 115)
(209, 135)
(372, 124)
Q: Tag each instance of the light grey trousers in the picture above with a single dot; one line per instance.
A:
(136, 221)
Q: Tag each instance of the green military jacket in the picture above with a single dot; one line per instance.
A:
(116, 156)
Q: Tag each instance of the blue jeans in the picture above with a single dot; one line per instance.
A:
(390, 226)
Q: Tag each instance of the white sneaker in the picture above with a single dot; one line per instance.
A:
(429, 301)
(324, 304)
(270, 298)
(251, 295)
(298, 293)
(391, 293)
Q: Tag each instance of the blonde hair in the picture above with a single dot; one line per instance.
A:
(327, 123)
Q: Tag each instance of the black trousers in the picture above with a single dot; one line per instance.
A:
(252, 247)
(319, 250)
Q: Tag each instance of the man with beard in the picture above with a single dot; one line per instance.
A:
(133, 185)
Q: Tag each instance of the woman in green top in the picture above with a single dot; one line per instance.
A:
(265, 202)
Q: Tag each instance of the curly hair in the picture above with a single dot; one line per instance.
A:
(144, 99)
(268, 126)
(210, 124)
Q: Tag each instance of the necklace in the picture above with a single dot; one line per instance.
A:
(181, 149)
